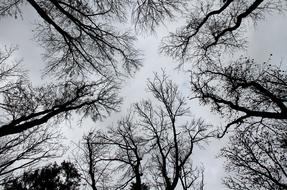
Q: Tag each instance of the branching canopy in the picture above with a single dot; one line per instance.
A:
(256, 158)
(243, 90)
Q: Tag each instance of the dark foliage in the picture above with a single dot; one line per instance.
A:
(27, 149)
(143, 187)
(51, 177)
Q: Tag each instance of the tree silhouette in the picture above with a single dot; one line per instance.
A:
(24, 106)
(152, 145)
(143, 187)
(172, 135)
(52, 177)
(215, 27)
(28, 148)
(28, 112)
(243, 90)
(71, 31)
(80, 37)
(256, 157)
(147, 14)
(119, 149)
(88, 159)
(83, 40)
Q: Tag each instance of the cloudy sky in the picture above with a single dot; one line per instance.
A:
(268, 37)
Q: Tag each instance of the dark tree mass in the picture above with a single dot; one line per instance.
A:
(90, 51)
(52, 177)
(28, 148)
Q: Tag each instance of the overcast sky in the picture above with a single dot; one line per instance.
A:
(268, 37)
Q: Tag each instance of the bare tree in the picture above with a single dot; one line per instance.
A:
(129, 146)
(242, 90)
(94, 172)
(192, 177)
(256, 158)
(26, 132)
(27, 149)
(24, 106)
(25, 109)
(214, 27)
(80, 37)
(119, 149)
(172, 137)
(147, 14)
(159, 138)
(11, 8)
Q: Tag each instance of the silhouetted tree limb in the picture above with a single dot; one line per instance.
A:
(24, 106)
(32, 144)
(214, 27)
(72, 30)
(256, 158)
(28, 148)
(172, 138)
(154, 143)
(122, 148)
(242, 90)
(147, 14)
(27, 107)
(80, 37)
(191, 177)
(94, 172)
(10, 8)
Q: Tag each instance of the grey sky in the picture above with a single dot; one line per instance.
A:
(270, 36)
